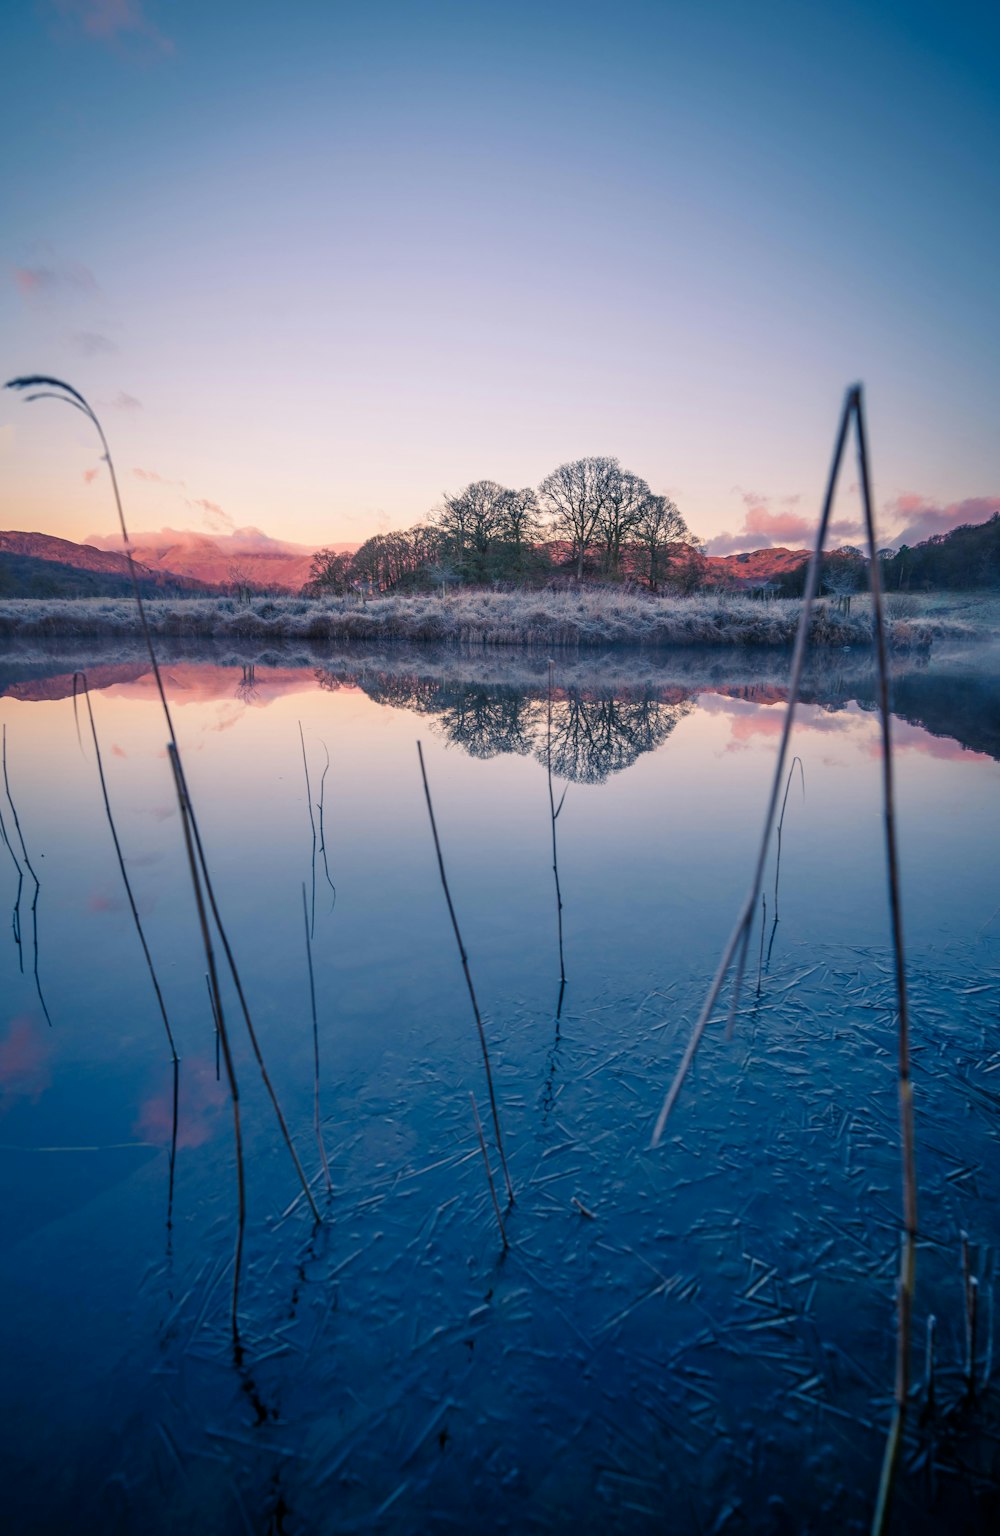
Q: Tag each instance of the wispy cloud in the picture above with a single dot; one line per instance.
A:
(215, 518)
(91, 343)
(45, 282)
(114, 22)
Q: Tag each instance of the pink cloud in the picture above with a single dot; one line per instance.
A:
(43, 282)
(90, 475)
(922, 518)
(763, 527)
(112, 21)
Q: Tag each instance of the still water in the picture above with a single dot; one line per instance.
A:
(696, 1339)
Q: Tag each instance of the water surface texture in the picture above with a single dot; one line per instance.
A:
(696, 1339)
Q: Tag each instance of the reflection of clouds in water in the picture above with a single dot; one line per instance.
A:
(155, 812)
(913, 738)
(24, 1061)
(200, 1098)
(226, 716)
(113, 901)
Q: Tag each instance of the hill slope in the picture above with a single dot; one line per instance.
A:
(39, 565)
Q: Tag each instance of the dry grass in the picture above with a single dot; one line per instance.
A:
(592, 617)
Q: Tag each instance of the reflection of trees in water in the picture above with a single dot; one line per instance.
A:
(486, 722)
(595, 733)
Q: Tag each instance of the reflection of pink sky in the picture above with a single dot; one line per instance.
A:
(24, 1062)
(913, 738)
(198, 683)
(750, 721)
(199, 1098)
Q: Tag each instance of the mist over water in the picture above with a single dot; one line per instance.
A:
(713, 1331)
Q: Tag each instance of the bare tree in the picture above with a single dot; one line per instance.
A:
(574, 496)
(622, 507)
(659, 526)
(471, 522)
(239, 580)
(519, 529)
(329, 572)
(842, 580)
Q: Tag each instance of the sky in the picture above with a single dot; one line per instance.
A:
(315, 265)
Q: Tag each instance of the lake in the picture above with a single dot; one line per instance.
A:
(699, 1338)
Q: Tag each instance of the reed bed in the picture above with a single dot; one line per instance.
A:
(493, 620)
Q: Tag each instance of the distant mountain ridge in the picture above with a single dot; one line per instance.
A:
(41, 565)
(245, 557)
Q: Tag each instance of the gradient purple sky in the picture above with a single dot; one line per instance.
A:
(317, 264)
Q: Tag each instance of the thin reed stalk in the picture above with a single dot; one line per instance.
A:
(220, 1024)
(322, 832)
(38, 886)
(241, 995)
(970, 1286)
(215, 1021)
(489, 1171)
(468, 974)
(48, 388)
(777, 861)
(312, 1002)
(312, 828)
(763, 927)
(908, 1257)
(121, 863)
(737, 937)
(554, 815)
(15, 916)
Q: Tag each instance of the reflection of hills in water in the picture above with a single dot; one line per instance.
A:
(606, 711)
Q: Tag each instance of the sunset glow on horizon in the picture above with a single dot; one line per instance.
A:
(315, 268)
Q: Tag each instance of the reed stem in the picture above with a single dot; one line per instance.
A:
(749, 906)
(220, 1024)
(121, 863)
(489, 1171)
(468, 975)
(312, 1001)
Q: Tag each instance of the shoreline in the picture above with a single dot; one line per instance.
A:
(495, 620)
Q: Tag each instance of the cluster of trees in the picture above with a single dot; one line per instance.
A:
(590, 517)
(967, 557)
